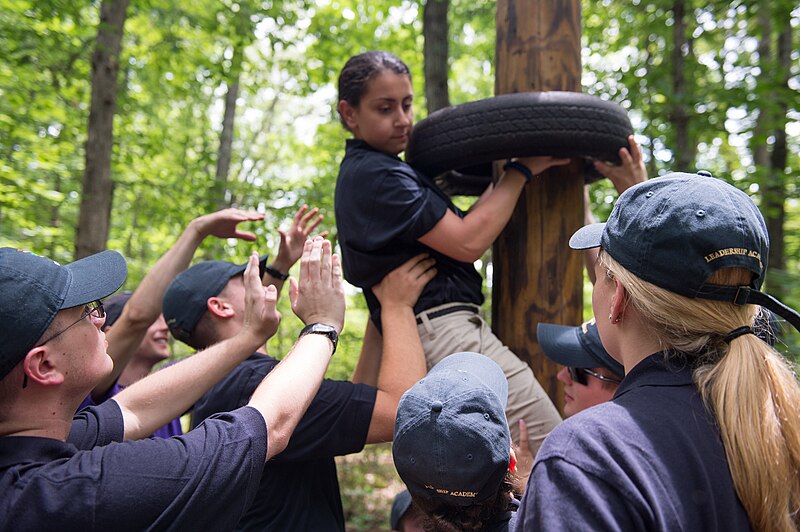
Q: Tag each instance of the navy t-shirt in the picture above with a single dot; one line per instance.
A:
(94, 481)
(382, 208)
(299, 489)
(650, 459)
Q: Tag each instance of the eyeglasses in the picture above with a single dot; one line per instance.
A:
(94, 309)
(579, 375)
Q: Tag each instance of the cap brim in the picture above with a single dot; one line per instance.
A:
(94, 277)
(560, 344)
(262, 267)
(401, 504)
(479, 366)
(587, 237)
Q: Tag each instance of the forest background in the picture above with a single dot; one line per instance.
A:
(121, 120)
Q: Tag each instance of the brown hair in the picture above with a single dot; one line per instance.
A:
(360, 69)
(439, 516)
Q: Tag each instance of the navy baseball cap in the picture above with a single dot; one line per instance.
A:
(400, 505)
(676, 231)
(186, 296)
(579, 347)
(33, 289)
(451, 437)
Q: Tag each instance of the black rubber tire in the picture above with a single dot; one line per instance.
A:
(468, 137)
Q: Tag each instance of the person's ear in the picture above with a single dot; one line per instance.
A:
(619, 302)
(348, 114)
(512, 464)
(39, 367)
(220, 307)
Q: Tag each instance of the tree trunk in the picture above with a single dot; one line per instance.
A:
(435, 32)
(98, 187)
(684, 152)
(536, 277)
(774, 191)
(226, 137)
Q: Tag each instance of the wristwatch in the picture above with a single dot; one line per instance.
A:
(324, 330)
(275, 273)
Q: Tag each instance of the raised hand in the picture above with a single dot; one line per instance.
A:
(261, 319)
(629, 172)
(223, 224)
(403, 285)
(523, 455)
(293, 240)
(318, 297)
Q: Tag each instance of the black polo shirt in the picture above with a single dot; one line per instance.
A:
(299, 489)
(649, 459)
(382, 208)
(199, 481)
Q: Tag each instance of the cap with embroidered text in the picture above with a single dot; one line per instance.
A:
(676, 231)
(451, 437)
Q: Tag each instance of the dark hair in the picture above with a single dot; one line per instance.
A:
(438, 516)
(361, 68)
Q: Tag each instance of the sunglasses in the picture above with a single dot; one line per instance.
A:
(579, 375)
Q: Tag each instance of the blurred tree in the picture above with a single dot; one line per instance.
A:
(435, 51)
(98, 187)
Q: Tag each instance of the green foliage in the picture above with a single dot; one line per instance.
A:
(180, 57)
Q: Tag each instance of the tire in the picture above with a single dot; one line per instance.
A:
(466, 138)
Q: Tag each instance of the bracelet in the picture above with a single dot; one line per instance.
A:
(275, 273)
(521, 168)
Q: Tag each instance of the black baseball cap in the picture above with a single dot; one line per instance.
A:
(186, 296)
(676, 231)
(33, 289)
(451, 436)
(579, 347)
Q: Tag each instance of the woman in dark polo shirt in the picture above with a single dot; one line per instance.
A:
(386, 213)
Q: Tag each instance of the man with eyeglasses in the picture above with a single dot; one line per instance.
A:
(77, 472)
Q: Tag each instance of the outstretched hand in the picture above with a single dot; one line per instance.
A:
(261, 319)
(403, 285)
(293, 240)
(318, 297)
(629, 172)
(223, 224)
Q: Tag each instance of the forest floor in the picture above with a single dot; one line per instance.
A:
(368, 482)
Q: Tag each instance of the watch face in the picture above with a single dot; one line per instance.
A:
(323, 329)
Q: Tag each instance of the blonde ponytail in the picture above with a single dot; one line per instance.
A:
(749, 387)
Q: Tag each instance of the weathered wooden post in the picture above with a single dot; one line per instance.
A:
(536, 277)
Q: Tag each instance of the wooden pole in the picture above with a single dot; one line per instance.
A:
(537, 278)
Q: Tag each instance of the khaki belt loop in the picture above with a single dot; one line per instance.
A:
(426, 322)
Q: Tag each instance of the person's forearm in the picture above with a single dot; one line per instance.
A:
(369, 361)
(144, 305)
(468, 238)
(153, 401)
(403, 359)
(287, 391)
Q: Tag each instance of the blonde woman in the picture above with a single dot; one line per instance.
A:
(704, 431)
